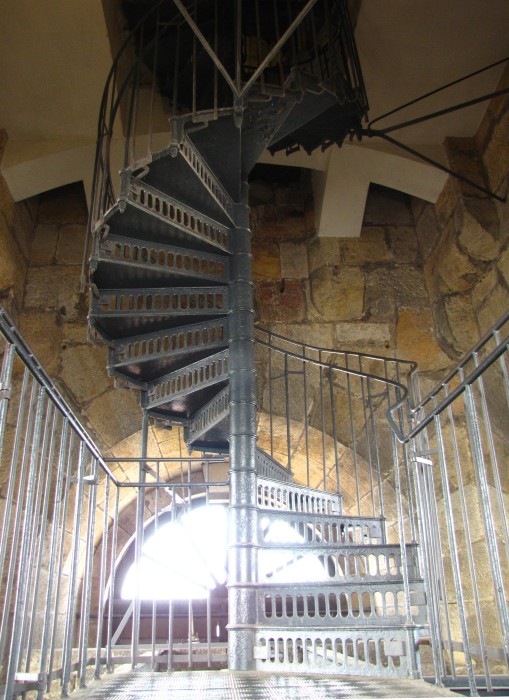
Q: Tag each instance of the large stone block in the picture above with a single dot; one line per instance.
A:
(64, 205)
(387, 207)
(477, 223)
(294, 261)
(370, 247)
(450, 270)
(415, 340)
(428, 232)
(316, 334)
(7, 204)
(54, 287)
(266, 261)
(43, 333)
(503, 265)
(115, 415)
(71, 243)
(83, 372)
(483, 288)
(402, 242)
(338, 292)
(23, 226)
(280, 301)
(447, 201)
(464, 158)
(363, 335)
(495, 305)
(496, 155)
(277, 223)
(45, 245)
(455, 324)
(260, 192)
(322, 251)
(12, 267)
(392, 288)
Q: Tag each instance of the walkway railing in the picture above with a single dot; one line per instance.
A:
(322, 415)
(71, 526)
(70, 520)
(458, 442)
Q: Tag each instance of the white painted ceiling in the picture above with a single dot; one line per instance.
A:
(410, 47)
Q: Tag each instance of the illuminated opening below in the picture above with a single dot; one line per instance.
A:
(186, 558)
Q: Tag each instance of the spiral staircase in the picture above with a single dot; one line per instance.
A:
(171, 296)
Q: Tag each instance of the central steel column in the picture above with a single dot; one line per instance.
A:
(243, 537)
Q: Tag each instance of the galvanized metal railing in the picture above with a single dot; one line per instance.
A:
(322, 414)
(69, 520)
(457, 439)
(71, 525)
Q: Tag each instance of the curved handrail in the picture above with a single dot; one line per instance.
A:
(337, 351)
(299, 399)
(332, 366)
(461, 373)
(12, 335)
(401, 390)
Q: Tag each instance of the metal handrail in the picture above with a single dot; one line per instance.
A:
(335, 351)
(13, 336)
(402, 391)
(458, 372)
(331, 365)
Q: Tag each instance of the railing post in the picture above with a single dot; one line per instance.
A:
(20, 607)
(489, 524)
(243, 553)
(140, 510)
(413, 670)
(68, 639)
(455, 562)
(5, 388)
(102, 580)
(53, 569)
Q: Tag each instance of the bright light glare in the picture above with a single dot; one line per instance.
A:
(280, 567)
(183, 559)
(186, 558)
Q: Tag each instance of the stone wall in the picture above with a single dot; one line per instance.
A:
(464, 238)
(17, 223)
(365, 294)
(40, 273)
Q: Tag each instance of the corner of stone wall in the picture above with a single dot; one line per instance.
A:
(463, 238)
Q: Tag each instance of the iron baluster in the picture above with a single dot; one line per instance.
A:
(21, 592)
(86, 583)
(487, 517)
(73, 575)
(102, 580)
(140, 510)
(53, 570)
(45, 468)
(17, 524)
(453, 553)
(111, 586)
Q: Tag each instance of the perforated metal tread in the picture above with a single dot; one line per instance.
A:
(227, 685)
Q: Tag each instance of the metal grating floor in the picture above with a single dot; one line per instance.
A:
(227, 685)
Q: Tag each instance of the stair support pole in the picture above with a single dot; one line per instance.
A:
(243, 521)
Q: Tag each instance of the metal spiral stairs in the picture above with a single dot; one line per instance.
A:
(165, 270)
